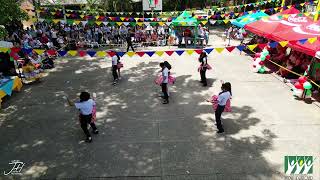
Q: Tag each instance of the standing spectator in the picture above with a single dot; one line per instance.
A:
(164, 84)
(115, 68)
(223, 97)
(203, 59)
(129, 43)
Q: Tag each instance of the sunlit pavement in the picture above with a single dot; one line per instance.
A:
(141, 139)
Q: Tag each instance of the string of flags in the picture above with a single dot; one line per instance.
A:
(256, 4)
(103, 53)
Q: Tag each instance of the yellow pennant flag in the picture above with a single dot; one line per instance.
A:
(226, 21)
(289, 6)
(130, 54)
(39, 51)
(56, 21)
(3, 49)
(286, 15)
(183, 23)
(307, 14)
(98, 23)
(222, 15)
(68, 15)
(312, 40)
(53, 13)
(204, 22)
(236, 14)
(101, 53)
(161, 23)
(82, 16)
(136, 19)
(283, 43)
(119, 23)
(77, 22)
(190, 51)
(159, 53)
(72, 52)
(276, 9)
(302, 4)
(97, 17)
(140, 23)
(122, 18)
(252, 47)
(219, 50)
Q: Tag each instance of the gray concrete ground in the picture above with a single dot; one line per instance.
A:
(141, 139)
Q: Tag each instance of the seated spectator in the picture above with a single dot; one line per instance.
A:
(30, 71)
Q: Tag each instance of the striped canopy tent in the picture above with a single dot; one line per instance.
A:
(185, 19)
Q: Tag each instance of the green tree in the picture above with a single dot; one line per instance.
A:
(11, 13)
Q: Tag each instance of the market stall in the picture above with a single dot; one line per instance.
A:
(186, 28)
(249, 18)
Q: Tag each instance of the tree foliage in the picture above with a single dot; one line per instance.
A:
(11, 13)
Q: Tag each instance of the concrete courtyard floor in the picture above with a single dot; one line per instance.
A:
(141, 139)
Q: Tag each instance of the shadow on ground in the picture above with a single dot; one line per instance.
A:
(139, 137)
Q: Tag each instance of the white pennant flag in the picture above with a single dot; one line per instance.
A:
(105, 23)
(212, 21)
(168, 23)
(146, 23)
(84, 22)
(126, 23)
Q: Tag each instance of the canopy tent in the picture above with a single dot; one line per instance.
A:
(249, 18)
(185, 19)
(266, 27)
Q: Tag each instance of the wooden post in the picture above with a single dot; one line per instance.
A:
(317, 11)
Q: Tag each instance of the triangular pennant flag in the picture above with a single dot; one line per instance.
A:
(273, 44)
(302, 41)
(39, 51)
(283, 43)
(82, 53)
(159, 53)
(105, 23)
(15, 49)
(161, 23)
(52, 52)
(261, 46)
(251, 47)
(140, 53)
(91, 53)
(150, 53)
(56, 21)
(121, 53)
(140, 23)
(198, 51)
(169, 52)
(122, 18)
(112, 53)
(62, 53)
(179, 52)
(126, 23)
(302, 4)
(208, 51)
(241, 47)
(168, 23)
(81, 16)
(72, 52)
(312, 40)
(84, 22)
(119, 23)
(204, 22)
(190, 51)
(230, 48)
(219, 50)
(77, 22)
(226, 21)
(26, 50)
(136, 19)
(130, 54)
(3, 49)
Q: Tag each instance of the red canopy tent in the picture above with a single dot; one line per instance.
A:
(266, 27)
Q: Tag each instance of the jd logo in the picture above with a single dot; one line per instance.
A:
(298, 164)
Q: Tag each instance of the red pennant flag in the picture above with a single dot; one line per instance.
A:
(198, 51)
(111, 53)
(15, 49)
(82, 53)
(261, 46)
(140, 53)
(52, 52)
(231, 48)
(169, 52)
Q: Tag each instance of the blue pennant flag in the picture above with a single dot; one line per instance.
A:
(302, 41)
(26, 51)
(150, 53)
(121, 53)
(179, 52)
(91, 53)
(62, 53)
(208, 51)
(241, 48)
(273, 44)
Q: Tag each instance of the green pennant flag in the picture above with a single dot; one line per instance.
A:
(91, 22)
(112, 23)
(70, 21)
(153, 23)
(133, 24)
